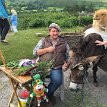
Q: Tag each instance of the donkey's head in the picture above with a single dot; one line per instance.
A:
(78, 67)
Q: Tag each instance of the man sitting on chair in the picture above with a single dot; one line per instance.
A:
(56, 49)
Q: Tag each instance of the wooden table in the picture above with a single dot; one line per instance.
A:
(23, 81)
(15, 81)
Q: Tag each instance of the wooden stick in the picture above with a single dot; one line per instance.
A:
(2, 58)
(11, 99)
(15, 89)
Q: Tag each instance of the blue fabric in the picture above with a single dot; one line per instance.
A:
(13, 20)
(3, 10)
(56, 77)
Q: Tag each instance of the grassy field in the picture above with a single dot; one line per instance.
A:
(21, 44)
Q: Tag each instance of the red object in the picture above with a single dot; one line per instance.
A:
(23, 94)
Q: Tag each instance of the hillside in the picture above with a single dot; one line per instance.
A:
(51, 1)
(67, 5)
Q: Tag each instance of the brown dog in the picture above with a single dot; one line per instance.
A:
(100, 20)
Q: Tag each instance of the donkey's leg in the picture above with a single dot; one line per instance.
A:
(95, 68)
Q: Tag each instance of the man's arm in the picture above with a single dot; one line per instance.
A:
(38, 50)
(68, 60)
(4, 3)
(45, 50)
(42, 51)
(37, 47)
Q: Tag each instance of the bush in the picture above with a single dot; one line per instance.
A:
(86, 20)
(64, 19)
(37, 23)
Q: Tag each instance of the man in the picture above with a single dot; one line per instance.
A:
(4, 24)
(56, 49)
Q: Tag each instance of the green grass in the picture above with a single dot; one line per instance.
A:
(21, 44)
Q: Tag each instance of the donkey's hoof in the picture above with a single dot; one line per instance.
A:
(96, 84)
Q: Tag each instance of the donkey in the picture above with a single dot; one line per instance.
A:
(83, 54)
(77, 71)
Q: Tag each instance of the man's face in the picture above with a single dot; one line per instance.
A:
(54, 33)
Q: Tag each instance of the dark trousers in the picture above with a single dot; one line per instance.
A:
(4, 28)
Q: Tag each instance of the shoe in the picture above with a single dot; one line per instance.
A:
(52, 99)
(4, 41)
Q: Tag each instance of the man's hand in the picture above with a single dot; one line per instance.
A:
(50, 49)
(100, 43)
(65, 66)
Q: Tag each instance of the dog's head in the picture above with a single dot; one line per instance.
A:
(100, 19)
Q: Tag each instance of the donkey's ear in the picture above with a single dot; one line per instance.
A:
(91, 59)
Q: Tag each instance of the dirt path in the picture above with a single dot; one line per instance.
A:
(98, 95)
(5, 90)
(100, 92)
